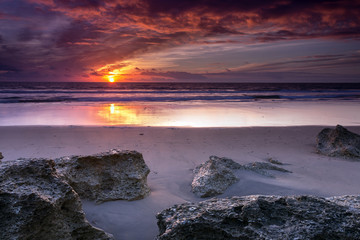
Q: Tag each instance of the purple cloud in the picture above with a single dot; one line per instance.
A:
(41, 38)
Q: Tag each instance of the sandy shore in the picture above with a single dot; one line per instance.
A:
(171, 154)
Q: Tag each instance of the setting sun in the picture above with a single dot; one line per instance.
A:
(111, 78)
(253, 97)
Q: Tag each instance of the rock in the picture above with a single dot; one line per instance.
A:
(214, 176)
(260, 217)
(261, 167)
(352, 201)
(274, 161)
(35, 203)
(113, 175)
(338, 142)
(1, 156)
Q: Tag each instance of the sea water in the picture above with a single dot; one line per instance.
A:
(179, 104)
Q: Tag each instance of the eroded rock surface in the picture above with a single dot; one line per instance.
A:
(338, 142)
(274, 161)
(260, 217)
(35, 203)
(113, 175)
(352, 201)
(262, 167)
(215, 175)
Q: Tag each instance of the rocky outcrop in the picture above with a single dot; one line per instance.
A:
(338, 142)
(113, 175)
(215, 175)
(1, 156)
(352, 201)
(260, 217)
(35, 203)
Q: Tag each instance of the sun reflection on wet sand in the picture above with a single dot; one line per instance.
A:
(112, 108)
(231, 115)
(177, 115)
(182, 115)
(122, 115)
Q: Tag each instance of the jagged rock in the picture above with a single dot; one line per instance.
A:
(338, 142)
(214, 176)
(274, 161)
(1, 156)
(113, 175)
(352, 201)
(35, 203)
(261, 167)
(260, 217)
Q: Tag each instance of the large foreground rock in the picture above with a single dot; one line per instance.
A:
(260, 217)
(215, 175)
(35, 203)
(352, 201)
(338, 142)
(113, 175)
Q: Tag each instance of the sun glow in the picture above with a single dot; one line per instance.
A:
(116, 72)
(111, 78)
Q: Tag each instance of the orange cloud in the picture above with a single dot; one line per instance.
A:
(51, 38)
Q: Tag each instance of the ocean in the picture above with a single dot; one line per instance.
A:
(25, 92)
(179, 104)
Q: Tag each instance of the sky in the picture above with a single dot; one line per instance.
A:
(187, 40)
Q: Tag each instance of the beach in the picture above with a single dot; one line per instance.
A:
(172, 153)
(172, 120)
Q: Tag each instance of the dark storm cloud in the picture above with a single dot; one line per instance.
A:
(179, 76)
(78, 32)
(36, 35)
(6, 68)
(314, 18)
(157, 7)
(28, 34)
(80, 3)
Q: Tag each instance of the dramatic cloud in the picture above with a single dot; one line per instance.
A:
(87, 40)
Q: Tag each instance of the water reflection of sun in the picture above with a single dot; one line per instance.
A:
(112, 108)
(121, 115)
